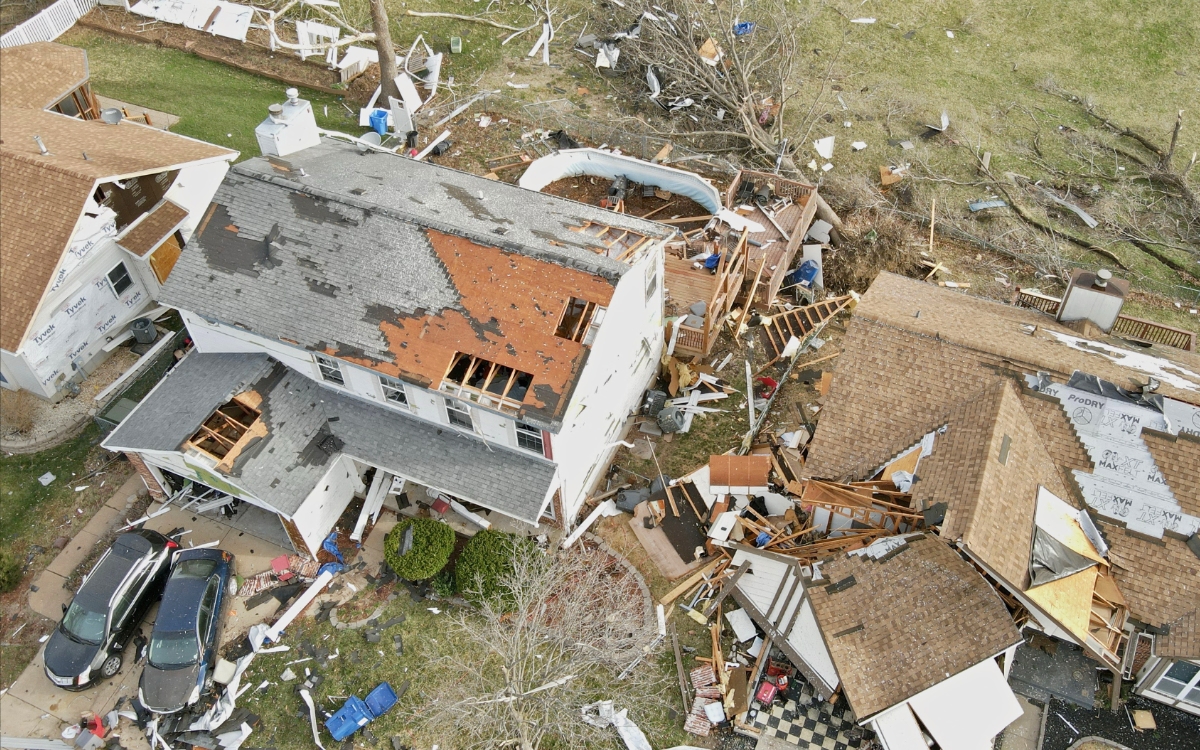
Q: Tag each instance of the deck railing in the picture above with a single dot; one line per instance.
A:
(1126, 325)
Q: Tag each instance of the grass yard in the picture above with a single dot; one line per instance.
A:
(360, 666)
(216, 103)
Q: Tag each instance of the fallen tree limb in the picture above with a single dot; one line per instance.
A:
(1077, 241)
(958, 234)
(470, 19)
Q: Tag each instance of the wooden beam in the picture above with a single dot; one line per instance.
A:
(727, 587)
(690, 581)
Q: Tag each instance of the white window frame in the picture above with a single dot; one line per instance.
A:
(389, 386)
(454, 406)
(530, 433)
(1191, 686)
(323, 361)
(652, 283)
(128, 275)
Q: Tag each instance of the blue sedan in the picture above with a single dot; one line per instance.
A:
(183, 644)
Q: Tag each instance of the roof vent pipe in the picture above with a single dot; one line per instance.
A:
(293, 95)
(41, 146)
(275, 111)
(1102, 277)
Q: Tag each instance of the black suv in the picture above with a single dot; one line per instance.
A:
(87, 645)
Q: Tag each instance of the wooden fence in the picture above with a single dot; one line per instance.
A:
(48, 25)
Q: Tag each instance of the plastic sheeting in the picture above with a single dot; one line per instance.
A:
(1052, 560)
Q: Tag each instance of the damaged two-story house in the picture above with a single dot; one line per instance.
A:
(358, 314)
(1060, 461)
(94, 212)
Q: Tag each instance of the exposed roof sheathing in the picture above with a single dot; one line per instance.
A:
(378, 286)
(907, 621)
(739, 471)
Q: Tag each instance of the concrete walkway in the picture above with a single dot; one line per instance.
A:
(160, 120)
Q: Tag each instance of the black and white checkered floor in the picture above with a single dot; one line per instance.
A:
(811, 722)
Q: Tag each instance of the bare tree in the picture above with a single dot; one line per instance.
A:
(562, 629)
(735, 61)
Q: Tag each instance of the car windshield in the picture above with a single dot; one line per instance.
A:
(83, 624)
(173, 650)
(194, 569)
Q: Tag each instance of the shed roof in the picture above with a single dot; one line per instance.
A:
(739, 471)
(906, 621)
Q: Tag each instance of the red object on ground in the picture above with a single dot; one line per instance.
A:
(768, 386)
(766, 693)
(281, 567)
(440, 505)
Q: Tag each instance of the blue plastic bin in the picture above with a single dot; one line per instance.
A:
(805, 275)
(381, 699)
(378, 120)
(357, 713)
(351, 717)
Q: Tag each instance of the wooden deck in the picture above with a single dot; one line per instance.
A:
(687, 285)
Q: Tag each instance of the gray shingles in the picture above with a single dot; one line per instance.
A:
(285, 466)
(176, 407)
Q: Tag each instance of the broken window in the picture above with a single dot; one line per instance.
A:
(459, 414)
(620, 242)
(221, 431)
(487, 383)
(119, 279)
(651, 284)
(330, 368)
(393, 390)
(530, 438)
(580, 321)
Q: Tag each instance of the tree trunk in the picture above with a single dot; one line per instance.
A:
(387, 54)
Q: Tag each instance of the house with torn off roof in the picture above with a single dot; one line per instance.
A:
(94, 212)
(909, 632)
(1063, 465)
(358, 314)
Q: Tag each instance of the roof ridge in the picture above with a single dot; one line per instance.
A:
(35, 162)
(496, 241)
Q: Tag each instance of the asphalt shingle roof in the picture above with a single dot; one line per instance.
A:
(282, 468)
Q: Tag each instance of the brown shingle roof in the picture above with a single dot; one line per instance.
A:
(1160, 579)
(39, 206)
(1178, 458)
(42, 197)
(1183, 642)
(38, 75)
(158, 223)
(990, 505)
(908, 622)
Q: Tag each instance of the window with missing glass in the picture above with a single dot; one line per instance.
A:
(530, 438)
(393, 390)
(459, 414)
(119, 279)
(330, 368)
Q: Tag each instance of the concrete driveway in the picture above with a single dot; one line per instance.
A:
(34, 707)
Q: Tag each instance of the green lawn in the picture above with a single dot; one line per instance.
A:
(216, 103)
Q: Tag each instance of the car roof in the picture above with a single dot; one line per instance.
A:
(136, 544)
(104, 580)
(181, 599)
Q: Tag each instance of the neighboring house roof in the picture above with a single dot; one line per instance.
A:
(43, 196)
(38, 75)
(906, 621)
(954, 348)
(1183, 640)
(397, 268)
(990, 505)
(299, 414)
(1160, 580)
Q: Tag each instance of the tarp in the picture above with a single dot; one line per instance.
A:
(1052, 560)
(968, 710)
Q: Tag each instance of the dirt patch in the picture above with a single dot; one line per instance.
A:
(253, 55)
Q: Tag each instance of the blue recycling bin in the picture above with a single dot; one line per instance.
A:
(805, 275)
(378, 120)
(356, 713)
(348, 719)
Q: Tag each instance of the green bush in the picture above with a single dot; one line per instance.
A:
(484, 561)
(10, 571)
(432, 544)
(443, 583)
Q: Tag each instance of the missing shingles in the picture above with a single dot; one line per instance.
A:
(848, 631)
(473, 203)
(319, 210)
(323, 287)
(841, 585)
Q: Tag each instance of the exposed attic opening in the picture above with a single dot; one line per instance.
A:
(620, 242)
(229, 429)
(486, 383)
(580, 321)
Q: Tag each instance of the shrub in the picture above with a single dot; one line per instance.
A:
(18, 411)
(486, 559)
(10, 571)
(431, 547)
(443, 583)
